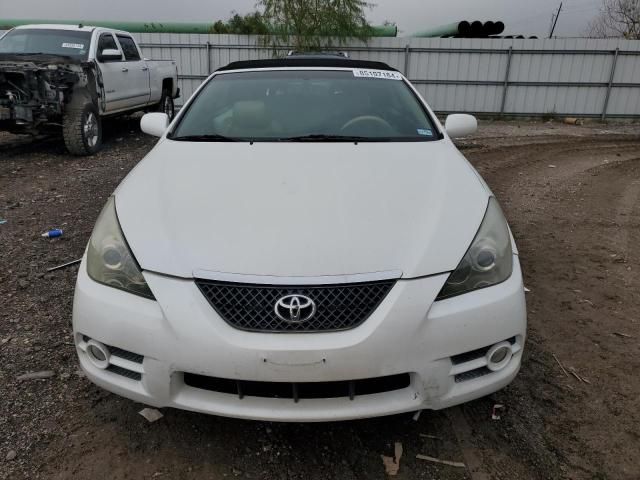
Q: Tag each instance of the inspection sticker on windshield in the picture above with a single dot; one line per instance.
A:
(384, 74)
(78, 46)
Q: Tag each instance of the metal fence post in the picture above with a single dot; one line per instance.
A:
(407, 52)
(208, 58)
(608, 94)
(506, 81)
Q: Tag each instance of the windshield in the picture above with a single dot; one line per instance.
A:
(25, 41)
(306, 105)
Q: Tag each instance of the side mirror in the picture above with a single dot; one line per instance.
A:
(154, 123)
(460, 124)
(109, 55)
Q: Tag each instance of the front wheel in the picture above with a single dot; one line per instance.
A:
(166, 104)
(82, 130)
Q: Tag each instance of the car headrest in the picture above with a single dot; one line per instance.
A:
(250, 114)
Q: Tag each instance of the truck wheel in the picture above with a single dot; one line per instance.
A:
(82, 130)
(166, 104)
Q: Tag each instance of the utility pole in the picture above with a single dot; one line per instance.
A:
(555, 21)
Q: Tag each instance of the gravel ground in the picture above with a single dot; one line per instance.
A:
(571, 194)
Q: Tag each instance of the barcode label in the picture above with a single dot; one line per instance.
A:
(384, 74)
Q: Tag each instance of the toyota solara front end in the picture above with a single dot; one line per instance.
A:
(304, 243)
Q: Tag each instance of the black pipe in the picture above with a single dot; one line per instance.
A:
(489, 28)
(464, 28)
(477, 28)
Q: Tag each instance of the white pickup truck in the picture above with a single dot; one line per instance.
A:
(54, 76)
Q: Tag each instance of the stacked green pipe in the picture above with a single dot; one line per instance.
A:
(158, 27)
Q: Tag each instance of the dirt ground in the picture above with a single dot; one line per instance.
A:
(572, 196)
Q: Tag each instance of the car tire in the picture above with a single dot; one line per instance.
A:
(82, 130)
(166, 104)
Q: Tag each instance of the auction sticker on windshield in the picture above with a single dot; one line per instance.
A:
(384, 74)
(78, 46)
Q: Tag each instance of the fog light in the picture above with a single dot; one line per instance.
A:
(98, 354)
(499, 356)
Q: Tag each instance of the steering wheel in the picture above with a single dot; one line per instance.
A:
(363, 120)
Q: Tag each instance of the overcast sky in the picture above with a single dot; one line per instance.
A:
(531, 17)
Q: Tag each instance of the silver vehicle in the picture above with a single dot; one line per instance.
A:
(54, 76)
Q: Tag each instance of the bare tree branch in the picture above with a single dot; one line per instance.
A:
(617, 18)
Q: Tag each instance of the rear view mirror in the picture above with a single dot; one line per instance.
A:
(460, 125)
(154, 123)
(110, 55)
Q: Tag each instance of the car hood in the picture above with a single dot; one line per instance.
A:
(301, 209)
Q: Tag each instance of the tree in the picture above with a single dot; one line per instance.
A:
(249, 24)
(315, 24)
(617, 18)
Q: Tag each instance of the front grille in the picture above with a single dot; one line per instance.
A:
(299, 391)
(252, 307)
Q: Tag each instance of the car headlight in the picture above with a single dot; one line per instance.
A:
(489, 259)
(109, 259)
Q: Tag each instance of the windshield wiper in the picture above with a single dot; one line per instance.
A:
(24, 54)
(36, 54)
(213, 137)
(315, 137)
(20, 54)
(302, 138)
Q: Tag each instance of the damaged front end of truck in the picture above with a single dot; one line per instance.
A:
(36, 91)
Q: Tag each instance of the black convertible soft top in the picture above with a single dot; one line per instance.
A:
(307, 61)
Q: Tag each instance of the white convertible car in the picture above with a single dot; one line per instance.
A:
(304, 243)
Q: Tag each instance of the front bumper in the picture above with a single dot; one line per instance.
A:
(21, 118)
(440, 345)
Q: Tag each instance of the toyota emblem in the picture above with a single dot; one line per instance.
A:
(295, 308)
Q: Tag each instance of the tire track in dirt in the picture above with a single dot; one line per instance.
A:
(628, 237)
(606, 221)
(564, 222)
(524, 156)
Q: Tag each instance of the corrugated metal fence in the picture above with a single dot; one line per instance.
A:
(578, 77)
(521, 77)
